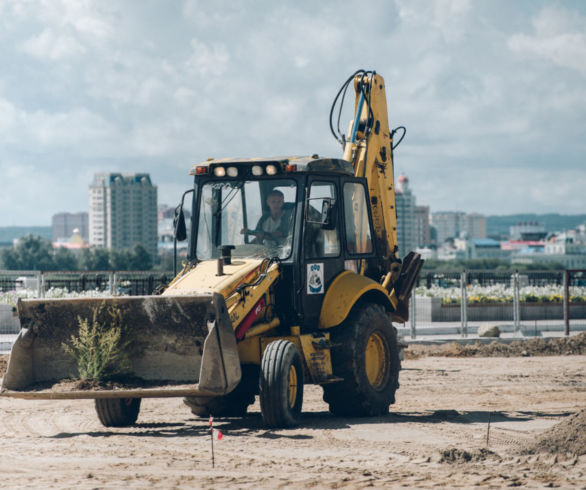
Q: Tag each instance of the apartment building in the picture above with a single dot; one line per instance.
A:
(406, 217)
(123, 211)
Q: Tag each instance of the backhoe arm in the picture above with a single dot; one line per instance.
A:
(369, 149)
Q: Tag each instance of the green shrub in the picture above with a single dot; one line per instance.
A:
(99, 348)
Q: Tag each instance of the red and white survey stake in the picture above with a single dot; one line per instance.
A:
(214, 434)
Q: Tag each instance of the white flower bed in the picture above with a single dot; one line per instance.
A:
(501, 293)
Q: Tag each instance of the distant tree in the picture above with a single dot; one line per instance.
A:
(85, 260)
(31, 253)
(95, 259)
(9, 259)
(165, 263)
(140, 259)
(120, 260)
(102, 259)
(64, 260)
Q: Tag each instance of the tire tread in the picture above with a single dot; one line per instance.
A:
(353, 396)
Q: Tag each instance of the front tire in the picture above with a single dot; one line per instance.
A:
(281, 384)
(366, 356)
(117, 412)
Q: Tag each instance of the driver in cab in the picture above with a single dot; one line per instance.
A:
(273, 226)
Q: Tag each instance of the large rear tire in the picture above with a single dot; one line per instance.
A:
(366, 356)
(281, 384)
(117, 412)
(234, 404)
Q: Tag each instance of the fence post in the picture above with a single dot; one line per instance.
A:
(111, 281)
(464, 304)
(43, 283)
(516, 303)
(39, 277)
(567, 302)
(114, 283)
(412, 320)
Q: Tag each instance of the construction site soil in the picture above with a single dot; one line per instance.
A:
(489, 415)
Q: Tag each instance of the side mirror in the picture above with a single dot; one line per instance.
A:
(326, 212)
(179, 225)
(326, 217)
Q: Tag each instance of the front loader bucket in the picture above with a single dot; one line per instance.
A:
(172, 346)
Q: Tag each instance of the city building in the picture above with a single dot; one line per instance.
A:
(406, 225)
(456, 224)
(480, 248)
(448, 224)
(475, 226)
(422, 226)
(63, 224)
(123, 212)
(527, 231)
(562, 249)
(74, 243)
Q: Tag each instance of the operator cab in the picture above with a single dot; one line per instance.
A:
(310, 213)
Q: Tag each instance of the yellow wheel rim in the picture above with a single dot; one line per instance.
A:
(376, 361)
(292, 386)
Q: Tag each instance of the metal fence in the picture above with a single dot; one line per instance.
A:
(521, 302)
(457, 302)
(110, 282)
(55, 284)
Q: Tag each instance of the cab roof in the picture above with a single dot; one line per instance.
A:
(313, 163)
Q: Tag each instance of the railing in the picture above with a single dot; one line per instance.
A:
(55, 284)
(522, 302)
(519, 302)
(110, 282)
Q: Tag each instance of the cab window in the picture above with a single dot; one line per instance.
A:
(322, 238)
(358, 232)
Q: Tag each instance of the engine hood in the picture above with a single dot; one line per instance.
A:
(203, 278)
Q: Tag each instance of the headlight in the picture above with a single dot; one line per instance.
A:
(219, 171)
(271, 170)
(257, 170)
(232, 172)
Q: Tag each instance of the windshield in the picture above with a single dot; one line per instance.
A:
(256, 216)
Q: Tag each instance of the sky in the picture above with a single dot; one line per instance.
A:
(492, 92)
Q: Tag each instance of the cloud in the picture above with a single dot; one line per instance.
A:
(448, 18)
(53, 46)
(500, 191)
(39, 131)
(207, 60)
(559, 37)
(486, 90)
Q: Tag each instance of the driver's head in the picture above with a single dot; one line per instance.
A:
(275, 201)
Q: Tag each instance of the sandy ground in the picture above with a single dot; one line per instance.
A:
(436, 435)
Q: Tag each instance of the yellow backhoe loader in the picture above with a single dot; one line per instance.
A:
(292, 276)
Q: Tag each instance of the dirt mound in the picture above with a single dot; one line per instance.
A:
(564, 346)
(566, 437)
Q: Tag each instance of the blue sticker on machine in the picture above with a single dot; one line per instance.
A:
(315, 278)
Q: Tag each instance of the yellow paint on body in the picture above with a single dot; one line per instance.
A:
(344, 291)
